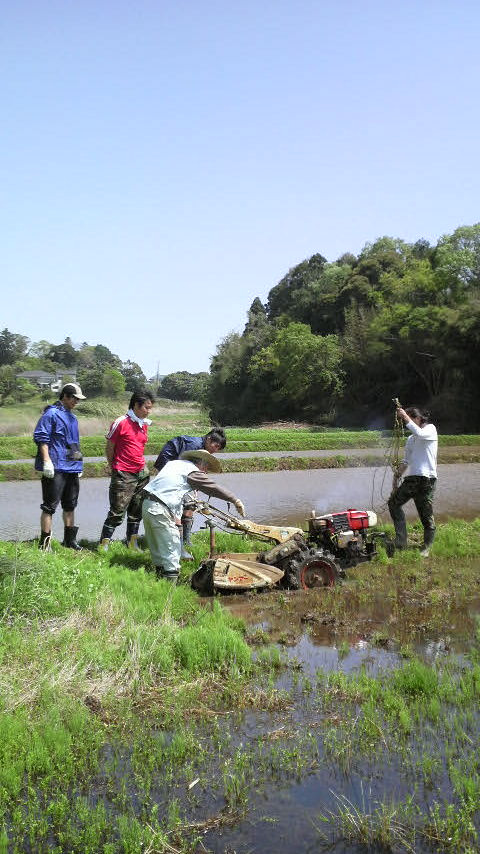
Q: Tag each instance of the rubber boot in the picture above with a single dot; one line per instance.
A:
(399, 521)
(132, 536)
(105, 538)
(185, 530)
(166, 576)
(45, 541)
(70, 539)
(428, 538)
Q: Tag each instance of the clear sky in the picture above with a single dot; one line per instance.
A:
(164, 162)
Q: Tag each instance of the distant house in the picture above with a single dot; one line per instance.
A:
(47, 379)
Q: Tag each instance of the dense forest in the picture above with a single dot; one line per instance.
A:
(336, 341)
(333, 344)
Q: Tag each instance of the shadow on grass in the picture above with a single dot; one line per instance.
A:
(132, 560)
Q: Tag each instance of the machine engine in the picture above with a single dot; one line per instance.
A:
(346, 535)
(299, 559)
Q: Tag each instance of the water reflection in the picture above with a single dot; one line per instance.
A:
(277, 497)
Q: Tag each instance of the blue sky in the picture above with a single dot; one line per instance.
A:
(164, 163)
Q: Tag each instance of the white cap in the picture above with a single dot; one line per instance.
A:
(72, 390)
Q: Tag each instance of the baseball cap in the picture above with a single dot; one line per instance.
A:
(72, 389)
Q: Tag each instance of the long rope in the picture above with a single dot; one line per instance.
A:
(393, 458)
(398, 439)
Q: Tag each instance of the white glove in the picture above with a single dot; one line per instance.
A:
(239, 507)
(80, 473)
(48, 470)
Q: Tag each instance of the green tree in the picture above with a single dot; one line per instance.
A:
(134, 377)
(228, 380)
(64, 354)
(183, 385)
(24, 390)
(457, 263)
(418, 342)
(40, 349)
(12, 347)
(91, 380)
(231, 394)
(317, 303)
(303, 370)
(113, 383)
(199, 386)
(86, 356)
(7, 383)
(104, 357)
(257, 319)
(282, 297)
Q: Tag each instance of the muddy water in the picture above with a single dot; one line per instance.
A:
(283, 816)
(372, 632)
(277, 497)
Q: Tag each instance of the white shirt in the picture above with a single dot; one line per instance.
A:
(421, 450)
(171, 484)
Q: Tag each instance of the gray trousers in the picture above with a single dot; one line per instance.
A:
(163, 537)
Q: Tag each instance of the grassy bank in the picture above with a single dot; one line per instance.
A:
(123, 701)
(101, 666)
(18, 447)
(25, 471)
(14, 447)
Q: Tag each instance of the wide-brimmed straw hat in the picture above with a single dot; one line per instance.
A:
(204, 457)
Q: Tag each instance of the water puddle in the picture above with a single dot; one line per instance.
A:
(284, 813)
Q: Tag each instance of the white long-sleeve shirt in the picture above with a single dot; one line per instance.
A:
(421, 450)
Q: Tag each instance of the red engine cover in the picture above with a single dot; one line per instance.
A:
(353, 520)
(358, 519)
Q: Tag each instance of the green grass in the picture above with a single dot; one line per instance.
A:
(25, 471)
(84, 643)
(13, 447)
(117, 691)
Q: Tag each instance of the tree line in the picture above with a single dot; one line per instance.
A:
(334, 342)
(95, 368)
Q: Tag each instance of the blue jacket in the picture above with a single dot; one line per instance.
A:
(174, 447)
(58, 428)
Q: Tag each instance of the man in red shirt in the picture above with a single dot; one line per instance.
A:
(126, 440)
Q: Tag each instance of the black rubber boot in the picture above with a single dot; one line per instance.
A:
(132, 536)
(70, 539)
(185, 529)
(166, 576)
(428, 538)
(106, 538)
(44, 542)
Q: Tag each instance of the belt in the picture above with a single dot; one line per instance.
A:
(149, 496)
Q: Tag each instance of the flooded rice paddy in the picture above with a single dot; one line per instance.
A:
(361, 733)
(276, 497)
(325, 770)
(331, 763)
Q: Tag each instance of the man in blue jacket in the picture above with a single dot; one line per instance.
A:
(212, 442)
(60, 461)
